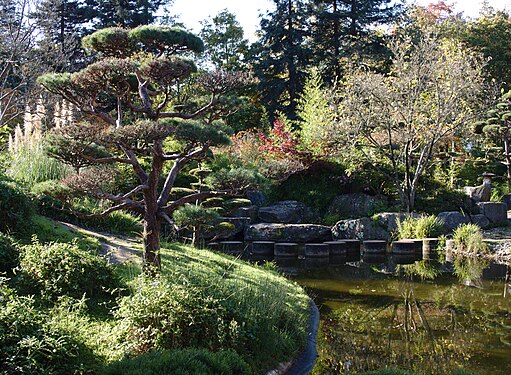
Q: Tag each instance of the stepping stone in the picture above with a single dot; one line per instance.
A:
(285, 249)
(262, 248)
(375, 247)
(317, 250)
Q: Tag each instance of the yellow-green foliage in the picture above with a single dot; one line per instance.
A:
(468, 239)
(421, 227)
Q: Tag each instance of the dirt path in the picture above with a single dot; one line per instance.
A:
(118, 249)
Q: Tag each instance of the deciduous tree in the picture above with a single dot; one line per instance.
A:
(399, 119)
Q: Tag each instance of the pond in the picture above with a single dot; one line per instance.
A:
(371, 320)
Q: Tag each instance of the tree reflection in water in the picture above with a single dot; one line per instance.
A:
(424, 327)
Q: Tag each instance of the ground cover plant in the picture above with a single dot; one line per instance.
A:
(203, 313)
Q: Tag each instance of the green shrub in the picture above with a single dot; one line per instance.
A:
(182, 362)
(58, 269)
(8, 253)
(421, 227)
(29, 343)
(469, 240)
(166, 315)
(15, 207)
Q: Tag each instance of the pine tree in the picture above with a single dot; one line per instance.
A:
(61, 24)
(130, 106)
(282, 57)
(340, 27)
(126, 13)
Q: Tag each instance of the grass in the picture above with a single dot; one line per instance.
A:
(268, 313)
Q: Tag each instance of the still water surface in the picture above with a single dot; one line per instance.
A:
(370, 320)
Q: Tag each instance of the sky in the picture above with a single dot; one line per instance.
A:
(191, 12)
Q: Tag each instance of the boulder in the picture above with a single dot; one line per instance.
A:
(288, 233)
(356, 205)
(507, 200)
(221, 232)
(495, 212)
(286, 212)
(453, 219)
(480, 220)
(256, 197)
(361, 229)
(249, 212)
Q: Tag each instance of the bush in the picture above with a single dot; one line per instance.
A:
(58, 269)
(15, 207)
(165, 315)
(469, 240)
(422, 227)
(29, 344)
(8, 253)
(181, 362)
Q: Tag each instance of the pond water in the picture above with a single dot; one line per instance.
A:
(371, 320)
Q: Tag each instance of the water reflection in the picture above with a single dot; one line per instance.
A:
(371, 321)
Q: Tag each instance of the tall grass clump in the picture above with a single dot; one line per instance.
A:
(469, 260)
(421, 227)
(468, 240)
(32, 165)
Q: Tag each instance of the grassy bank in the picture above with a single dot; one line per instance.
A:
(205, 313)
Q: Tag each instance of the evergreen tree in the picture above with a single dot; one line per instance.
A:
(281, 57)
(343, 27)
(126, 13)
(224, 40)
(61, 23)
(131, 104)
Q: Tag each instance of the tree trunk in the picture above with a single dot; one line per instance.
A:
(151, 241)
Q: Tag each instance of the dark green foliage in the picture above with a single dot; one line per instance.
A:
(58, 269)
(163, 314)
(198, 132)
(341, 30)
(166, 39)
(29, 343)
(281, 56)
(182, 362)
(192, 215)
(126, 13)
(15, 207)
(316, 187)
(8, 253)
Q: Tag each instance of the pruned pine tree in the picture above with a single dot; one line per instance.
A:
(133, 109)
(497, 127)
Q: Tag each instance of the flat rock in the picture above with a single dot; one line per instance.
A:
(249, 212)
(496, 212)
(286, 212)
(453, 219)
(361, 229)
(288, 233)
(480, 220)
